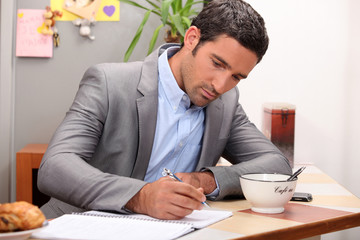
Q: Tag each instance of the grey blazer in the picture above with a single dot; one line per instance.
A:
(98, 156)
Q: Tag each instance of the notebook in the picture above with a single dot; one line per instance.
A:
(101, 225)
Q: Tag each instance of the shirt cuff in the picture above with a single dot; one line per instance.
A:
(215, 193)
(126, 211)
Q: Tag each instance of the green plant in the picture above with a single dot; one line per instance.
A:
(172, 13)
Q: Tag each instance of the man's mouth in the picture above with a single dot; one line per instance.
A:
(208, 94)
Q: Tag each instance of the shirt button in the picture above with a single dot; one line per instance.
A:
(180, 144)
(184, 98)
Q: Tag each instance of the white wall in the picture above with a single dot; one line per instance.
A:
(313, 62)
(351, 176)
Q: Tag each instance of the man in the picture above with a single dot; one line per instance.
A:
(178, 109)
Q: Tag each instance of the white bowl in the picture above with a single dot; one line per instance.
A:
(267, 193)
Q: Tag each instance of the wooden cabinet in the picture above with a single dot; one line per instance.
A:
(28, 161)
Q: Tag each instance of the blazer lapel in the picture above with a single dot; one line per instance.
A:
(147, 112)
(214, 118)
(147, 106)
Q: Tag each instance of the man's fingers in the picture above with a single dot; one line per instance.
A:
(186, 202)
(201, 190)
(190, 192)
(167, 199)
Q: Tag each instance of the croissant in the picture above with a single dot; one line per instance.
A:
(20, 216)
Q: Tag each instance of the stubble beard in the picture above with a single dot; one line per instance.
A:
(195, 92)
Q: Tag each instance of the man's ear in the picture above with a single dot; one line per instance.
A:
(191, 38)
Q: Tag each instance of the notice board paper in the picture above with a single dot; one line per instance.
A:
(30, 42)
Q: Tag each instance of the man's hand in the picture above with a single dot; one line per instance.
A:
(204, 180)
(167, 199)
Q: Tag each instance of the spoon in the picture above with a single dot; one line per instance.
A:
(295, 174)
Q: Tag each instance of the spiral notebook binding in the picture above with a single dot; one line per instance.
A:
(130, 217)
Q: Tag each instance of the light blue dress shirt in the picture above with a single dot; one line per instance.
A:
(179, 126)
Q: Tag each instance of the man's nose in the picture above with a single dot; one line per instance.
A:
(219, 83)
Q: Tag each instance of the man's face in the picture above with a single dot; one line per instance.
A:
(215, 68)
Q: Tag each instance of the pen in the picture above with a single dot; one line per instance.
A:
(167, 172)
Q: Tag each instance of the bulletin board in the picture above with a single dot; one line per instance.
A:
(35, 29)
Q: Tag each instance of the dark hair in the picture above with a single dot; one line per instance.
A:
(234, 18)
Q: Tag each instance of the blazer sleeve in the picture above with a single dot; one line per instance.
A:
(250, 152)
(65, 172)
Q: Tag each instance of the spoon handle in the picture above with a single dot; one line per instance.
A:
(292, 177)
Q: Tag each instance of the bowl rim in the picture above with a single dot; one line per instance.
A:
(257, 180)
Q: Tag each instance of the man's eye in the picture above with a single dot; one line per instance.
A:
(236, 78)
(216, 64)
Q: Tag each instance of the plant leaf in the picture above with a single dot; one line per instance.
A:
(157, 7)
(154, 38)
(176, 6)
(192, 13)
(178, 24)
(187, 21)
(136, 37)
(187, 11)
(165, 5)
(134, 4)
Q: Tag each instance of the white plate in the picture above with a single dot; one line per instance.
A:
(21, 235)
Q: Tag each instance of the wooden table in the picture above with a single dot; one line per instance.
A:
(28, 160)
(332, 209)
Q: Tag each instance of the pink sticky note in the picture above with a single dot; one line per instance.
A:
(30, 42)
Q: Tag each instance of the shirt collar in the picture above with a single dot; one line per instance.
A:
(173, 93)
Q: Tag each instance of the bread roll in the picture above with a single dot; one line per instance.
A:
(20, 216)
